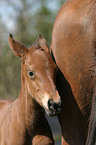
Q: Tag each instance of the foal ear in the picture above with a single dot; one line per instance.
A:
(42, 43)
(18, 49)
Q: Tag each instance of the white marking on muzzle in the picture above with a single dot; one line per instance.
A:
(56, 97)
(45, 100)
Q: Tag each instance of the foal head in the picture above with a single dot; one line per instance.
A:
(39, 72)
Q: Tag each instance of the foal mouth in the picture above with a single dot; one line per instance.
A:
(52, 113)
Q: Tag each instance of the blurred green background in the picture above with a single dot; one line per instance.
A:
(25, 19)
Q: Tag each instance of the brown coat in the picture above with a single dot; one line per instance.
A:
(74, 50)
(22, 122)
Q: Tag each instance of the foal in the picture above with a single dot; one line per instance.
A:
(22, 122)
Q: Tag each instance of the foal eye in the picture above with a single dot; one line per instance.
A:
(42, 49)
(31, 74)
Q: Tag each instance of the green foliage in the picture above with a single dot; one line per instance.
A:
(9, 76)
(44, 23)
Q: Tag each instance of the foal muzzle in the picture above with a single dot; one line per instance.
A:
(54, 108)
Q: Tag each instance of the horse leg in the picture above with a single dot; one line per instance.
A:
(70, 117)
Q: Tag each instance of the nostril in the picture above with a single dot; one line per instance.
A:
(50, 103)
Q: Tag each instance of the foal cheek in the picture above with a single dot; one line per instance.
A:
(34, 90)
(30, 86)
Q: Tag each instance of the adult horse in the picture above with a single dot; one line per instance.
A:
(74, 50)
